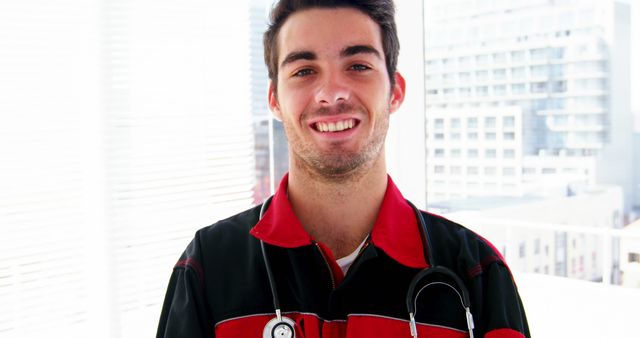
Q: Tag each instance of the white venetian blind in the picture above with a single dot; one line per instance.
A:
(124, 127)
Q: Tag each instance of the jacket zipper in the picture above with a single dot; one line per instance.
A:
(326, 262)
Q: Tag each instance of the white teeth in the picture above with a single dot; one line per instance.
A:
(335, 126)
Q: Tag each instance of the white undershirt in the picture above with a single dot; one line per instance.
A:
(346, 261)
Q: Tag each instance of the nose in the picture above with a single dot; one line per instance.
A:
(333, 89)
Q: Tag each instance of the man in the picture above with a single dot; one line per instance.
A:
(335, 251)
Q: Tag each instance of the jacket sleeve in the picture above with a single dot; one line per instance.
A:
(502, 313)
(184, 312)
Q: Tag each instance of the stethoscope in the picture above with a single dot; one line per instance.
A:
(284, 327)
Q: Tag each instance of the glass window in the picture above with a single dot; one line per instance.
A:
(518, 72)
(538, 54)
(438, 123)
(539, 87)
(455, 123)
(508, 121)
(490, 136)
(508, 136)
(472, 153)
(482, 90)
(482, 75)
(500, 90)
(509, 153)
(518, 55)
(489, 122)
(439, 152)
(508, 171)
(518, 88)
(499, 74)
(490, 153)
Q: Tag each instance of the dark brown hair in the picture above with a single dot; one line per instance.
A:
(380, 11)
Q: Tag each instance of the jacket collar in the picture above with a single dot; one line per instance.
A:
(395, 230)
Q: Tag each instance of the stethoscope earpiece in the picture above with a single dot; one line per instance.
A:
(279, 328)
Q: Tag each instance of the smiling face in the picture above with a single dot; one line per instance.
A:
(333, 91)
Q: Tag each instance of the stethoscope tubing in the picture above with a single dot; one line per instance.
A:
(461, 290)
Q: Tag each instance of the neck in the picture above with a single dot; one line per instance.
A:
(338, 213)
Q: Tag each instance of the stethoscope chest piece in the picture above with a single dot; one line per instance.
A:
(279, 328)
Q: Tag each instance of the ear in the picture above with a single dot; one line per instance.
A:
(274, 106)
(397, 93)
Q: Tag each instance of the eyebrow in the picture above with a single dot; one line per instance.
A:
(348, 51)
(359, 49)
(295, 56)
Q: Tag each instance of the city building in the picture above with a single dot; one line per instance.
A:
(568, 236)
(544, 86)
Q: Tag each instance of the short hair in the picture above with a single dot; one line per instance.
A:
(381, 12)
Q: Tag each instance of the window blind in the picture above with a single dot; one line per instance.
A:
(124, 127)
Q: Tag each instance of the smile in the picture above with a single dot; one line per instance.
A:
(335, 126)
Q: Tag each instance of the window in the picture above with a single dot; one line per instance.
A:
(482, 59)
(490, 136)
(518, 72)
(508, 136)
(500, 90)
(508, 121)
(472, 171)
(508, 171)
(438, 123)
(538, 54)
(490, 153)
(439, 169)
(472, 153)
(455, 153)
(538, 71)
(517, 55)
(490, 171)
(509, 153)
(490, 122)
(472, 136)
(539, 87)
(518, 88)
(455, 123)
(438, 153)
(136, 150)
(472, 122)
(455, 170)
(482, 75)
(499, 74)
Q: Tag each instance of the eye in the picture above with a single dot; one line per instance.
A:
(359, 67)
(303, 72)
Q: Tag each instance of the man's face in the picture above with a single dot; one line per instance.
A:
(333, 90)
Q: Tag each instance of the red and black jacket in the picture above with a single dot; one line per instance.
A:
(219, 287)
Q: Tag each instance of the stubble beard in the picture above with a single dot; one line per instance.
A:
(337, 164)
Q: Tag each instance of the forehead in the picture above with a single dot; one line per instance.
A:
(327, 31)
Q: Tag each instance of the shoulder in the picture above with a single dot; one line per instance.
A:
(458, 247)
(219, 241)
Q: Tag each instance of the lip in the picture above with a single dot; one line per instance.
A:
(333, 120)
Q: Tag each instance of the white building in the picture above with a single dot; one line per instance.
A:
(630, 255)
(564, 236)
(558, 67)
